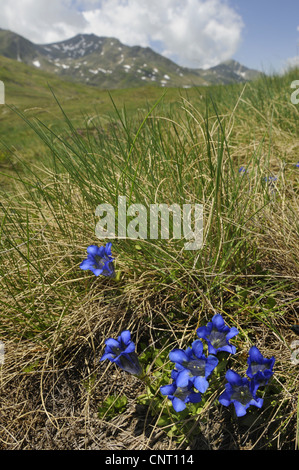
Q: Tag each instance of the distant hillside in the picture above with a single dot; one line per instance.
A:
(107, 63)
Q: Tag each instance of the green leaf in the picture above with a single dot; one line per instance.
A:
(163, 421)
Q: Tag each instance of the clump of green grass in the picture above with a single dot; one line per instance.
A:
(190, 152)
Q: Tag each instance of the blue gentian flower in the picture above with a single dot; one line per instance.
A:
(270, 179)
(99, 260)
(193, 366)
(180, 396)
(259, 368)
(121, 351)
(242, 169)
(297, 164)
(240, 392)
(217, 334)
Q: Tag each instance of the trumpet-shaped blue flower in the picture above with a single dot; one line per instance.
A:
(193, 366)
(121, 351)
(242, 169)
(240, 392)
(99, 260)
(217, 334)
(180, 396)
(270, 179)
(259, 368)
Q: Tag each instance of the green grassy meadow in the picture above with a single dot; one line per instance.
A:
(65, 149)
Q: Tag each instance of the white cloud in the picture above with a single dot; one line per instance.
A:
(291, 62)
(41, 21)
(194, 33)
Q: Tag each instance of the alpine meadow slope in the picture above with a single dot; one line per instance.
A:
(107, 63)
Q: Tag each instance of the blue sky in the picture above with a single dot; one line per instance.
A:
(270, 34)
(261, 34)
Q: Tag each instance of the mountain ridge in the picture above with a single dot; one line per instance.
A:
(106, 62)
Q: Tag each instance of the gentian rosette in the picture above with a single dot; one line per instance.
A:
(217, 334)
(193, 366)
(99, 260)
(121, 351)
(240, 392)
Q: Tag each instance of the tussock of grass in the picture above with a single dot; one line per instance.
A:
(56, 317)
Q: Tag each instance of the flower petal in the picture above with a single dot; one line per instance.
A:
(211, 363)
(200, 383)
(168, 389)
(93, 250)
(218, 321)
(178, 404)
(233, 332)
(255, 355)
(202, 331)
(194, 397)
(257, 402)
(229, 348)
(108, 249)
(112, 343)
(233, 377)
(130, 348)
(183, 378)
(240, 409)
(108, 355)
(125, 336)
(86, 264)
(96, 272)
(197, 348)
(177, 355)
(224, 398)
